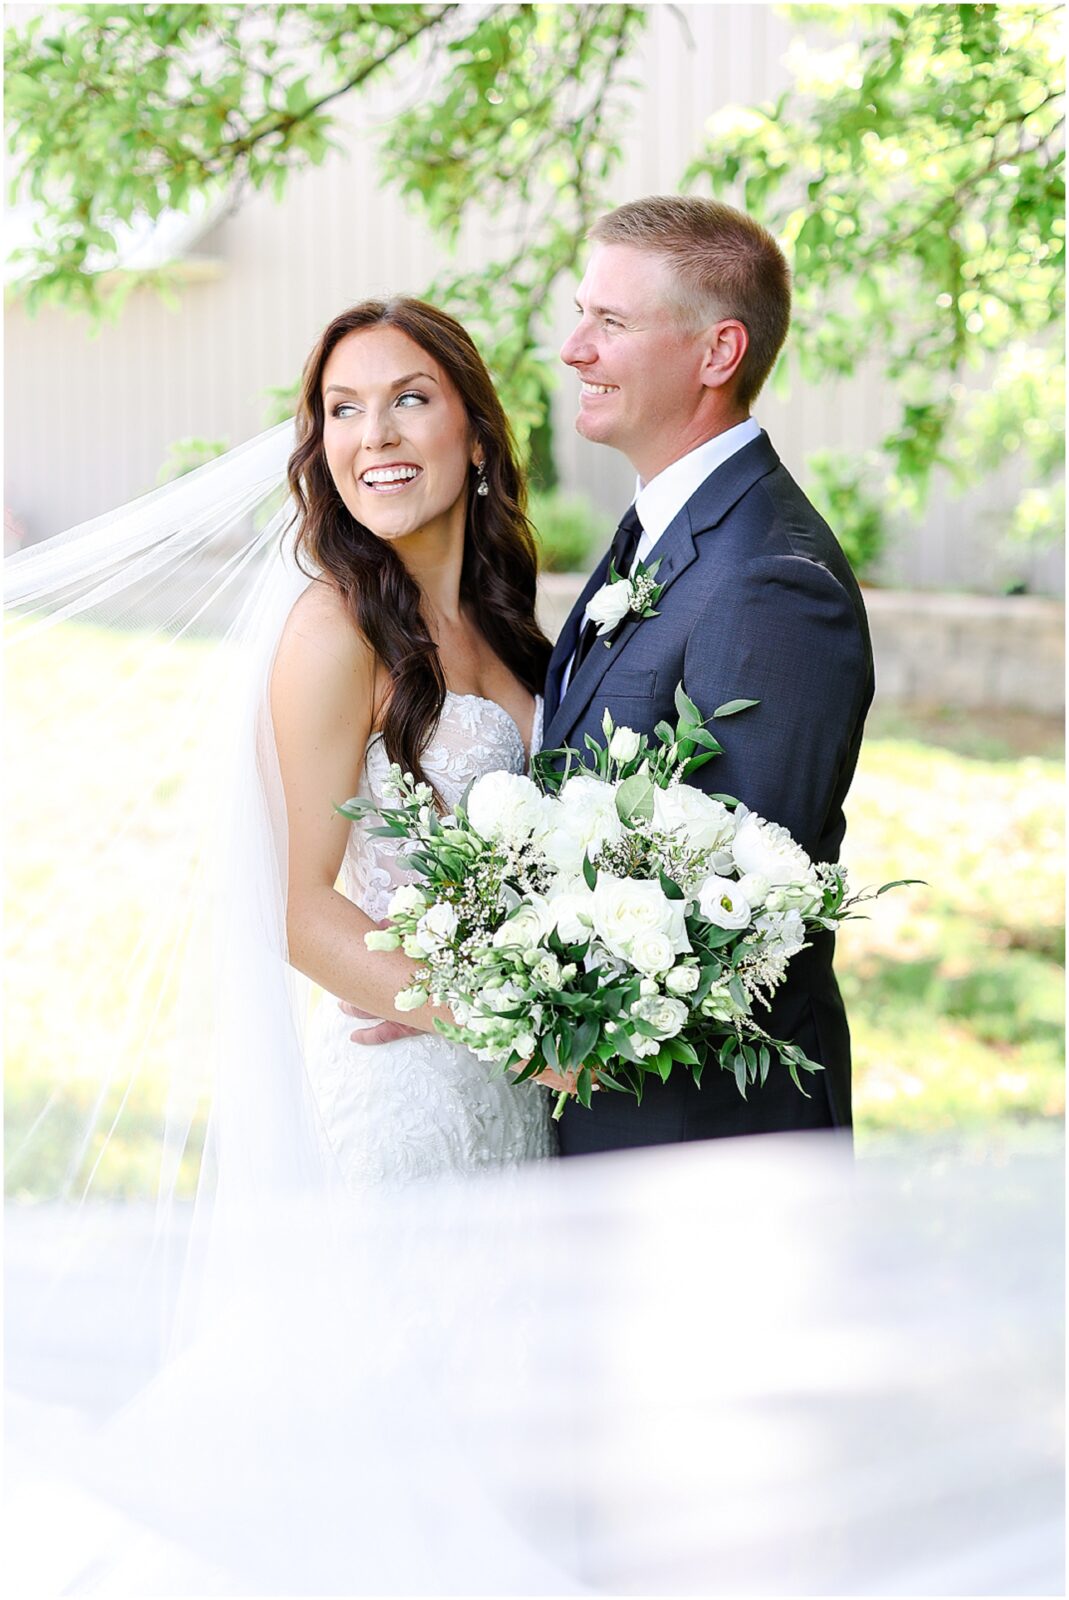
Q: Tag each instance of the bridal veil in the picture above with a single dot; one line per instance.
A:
(742, 1367)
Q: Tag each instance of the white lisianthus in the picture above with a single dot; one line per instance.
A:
(623, 746)
(504, 805)
(610, 605)
(383, 939)
(584, 820)
(502, 998)
(627, 907)
(721, 903)
(652, 952)
(643, 1046)
(668, 1016)
(682, 980)
(413, 946)
(437, 926)
(524, 1044)
(707, 823)
(782, 933)
(765, 847)
(412, 998)
(526, 926)
(407, 900)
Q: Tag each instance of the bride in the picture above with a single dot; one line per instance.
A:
(416, 643)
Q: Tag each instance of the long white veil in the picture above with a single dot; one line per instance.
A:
(747, 1367)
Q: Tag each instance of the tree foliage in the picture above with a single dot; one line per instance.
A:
(120, 112)
(914, 171)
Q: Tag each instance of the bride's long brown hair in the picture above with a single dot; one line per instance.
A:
(499, 571)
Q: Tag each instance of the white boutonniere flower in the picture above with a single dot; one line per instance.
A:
(619, 597)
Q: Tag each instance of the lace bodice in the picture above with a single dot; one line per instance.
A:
(474, 736)
(421, 1105)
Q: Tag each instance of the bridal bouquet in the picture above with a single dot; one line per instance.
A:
(605, 921)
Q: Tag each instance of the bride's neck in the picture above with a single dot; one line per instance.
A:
(435, 564)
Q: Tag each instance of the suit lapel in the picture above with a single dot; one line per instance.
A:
(676, 550)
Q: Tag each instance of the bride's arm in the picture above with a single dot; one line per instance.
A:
(322, 705)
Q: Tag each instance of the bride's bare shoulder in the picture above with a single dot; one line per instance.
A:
(321, 622)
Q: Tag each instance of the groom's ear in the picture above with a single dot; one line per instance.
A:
(726, 345)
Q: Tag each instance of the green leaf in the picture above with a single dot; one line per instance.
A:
(686, 709)
(634, 799)
(731, 708)
(590, 873)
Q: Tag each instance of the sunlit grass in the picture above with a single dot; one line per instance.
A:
(954, 989)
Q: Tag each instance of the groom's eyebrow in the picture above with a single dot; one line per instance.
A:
(398, 383)
(604, 311)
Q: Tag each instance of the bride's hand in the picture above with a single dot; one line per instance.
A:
(386, 1031)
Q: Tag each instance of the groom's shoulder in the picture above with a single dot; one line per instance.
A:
(777, 519)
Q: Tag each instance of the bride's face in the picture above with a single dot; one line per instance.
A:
(396, 436)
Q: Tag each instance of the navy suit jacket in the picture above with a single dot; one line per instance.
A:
(758, 603)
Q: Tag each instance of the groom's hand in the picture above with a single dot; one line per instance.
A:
(385, 1033)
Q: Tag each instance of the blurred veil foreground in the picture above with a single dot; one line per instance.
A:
(744, 1367)
(748, 1367)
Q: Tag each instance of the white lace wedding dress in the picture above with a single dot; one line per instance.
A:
(421, 1106)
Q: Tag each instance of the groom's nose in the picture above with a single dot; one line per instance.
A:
(577, 350)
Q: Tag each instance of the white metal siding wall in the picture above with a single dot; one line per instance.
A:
(89, 420)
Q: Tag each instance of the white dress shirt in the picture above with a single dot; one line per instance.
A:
(660, 501)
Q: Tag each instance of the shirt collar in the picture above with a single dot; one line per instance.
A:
(660, 501)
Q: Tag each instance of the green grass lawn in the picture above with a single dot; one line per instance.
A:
(954, 989)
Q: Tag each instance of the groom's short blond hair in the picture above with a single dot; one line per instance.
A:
(724, 265)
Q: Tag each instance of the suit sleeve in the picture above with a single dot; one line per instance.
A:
(788, 636)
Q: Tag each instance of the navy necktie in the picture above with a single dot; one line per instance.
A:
(624, 546)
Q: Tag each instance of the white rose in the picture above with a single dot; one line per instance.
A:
(682, 980)
(623, 746)
(668, 1016)
(382, 939)
(721, 903)
(525, 927)
(437, 926)
(524, 1044)
(504, 805)
(765, 847)
(641, 1046)
(546, 971)
(707, 823)
(584, 820)
(652, 952)
(408, 900)
(610, 605)
(571, 910)
(626, 907)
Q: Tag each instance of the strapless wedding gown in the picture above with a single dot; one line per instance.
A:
(421, 1106)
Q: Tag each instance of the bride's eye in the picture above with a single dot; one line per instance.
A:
(412, 394)
(342, 408)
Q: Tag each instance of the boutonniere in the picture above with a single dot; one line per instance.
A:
(614, 600)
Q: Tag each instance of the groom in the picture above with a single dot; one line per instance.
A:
(682, 311)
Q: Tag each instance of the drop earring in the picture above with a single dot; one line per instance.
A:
(482, 487)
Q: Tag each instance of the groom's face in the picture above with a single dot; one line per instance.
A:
(639, 367)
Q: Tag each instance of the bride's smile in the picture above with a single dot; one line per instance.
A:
(396, 436)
